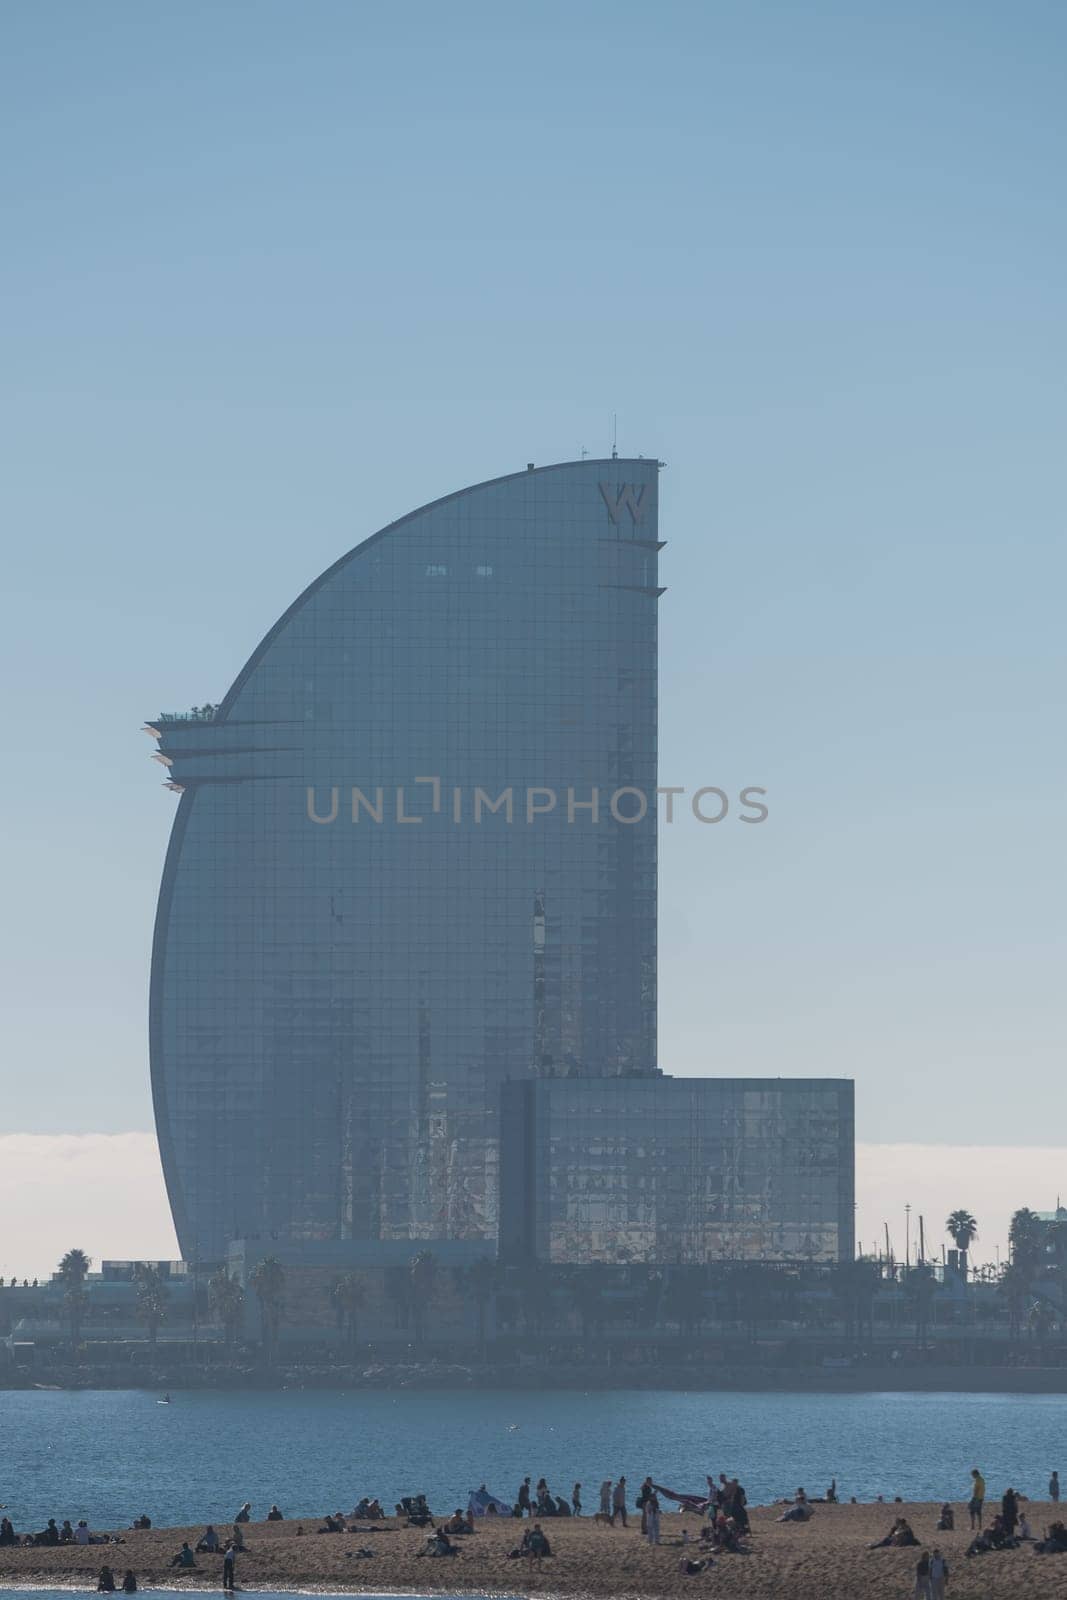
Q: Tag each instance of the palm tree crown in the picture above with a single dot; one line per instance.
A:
(74, 1268)
(961, 1228)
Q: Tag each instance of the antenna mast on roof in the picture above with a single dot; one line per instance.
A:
(614, 436)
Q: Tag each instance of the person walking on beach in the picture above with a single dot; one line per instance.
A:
(618, 1503)
(977, 1499)
(605, 1498)
(938, 1575)
(1054, 1488)
(922, 1578)
(229, 1567)
(576, 1499)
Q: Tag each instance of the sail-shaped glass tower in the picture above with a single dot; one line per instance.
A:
(414, 857)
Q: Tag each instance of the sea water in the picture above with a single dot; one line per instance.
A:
(111, 1455)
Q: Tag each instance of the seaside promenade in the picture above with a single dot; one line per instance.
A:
(828, 1556)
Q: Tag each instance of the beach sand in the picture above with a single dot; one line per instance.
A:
(825, 1557)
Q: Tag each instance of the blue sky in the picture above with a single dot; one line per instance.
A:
(275, 274)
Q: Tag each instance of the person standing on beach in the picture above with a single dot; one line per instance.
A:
(651, 1516)
(1009, 1511)
(922, 1578)
(977, 1499)
(605, 1498)
(524, 1498)
(576, 1499)
(229, 1567)
(938, 1575)
(618, 1503)
(1054, 1488)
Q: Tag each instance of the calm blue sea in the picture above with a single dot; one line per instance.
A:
(110, 1455)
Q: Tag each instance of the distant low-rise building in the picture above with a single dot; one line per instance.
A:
(667, 1170)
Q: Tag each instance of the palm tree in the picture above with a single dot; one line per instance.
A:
(856, 1282)
(1025, 1240)
(348, 1297)
(73, 1271)
(587, 1297)
(422, 1273)
(228, 1300)
(1015, 1287)
(683, 1300)
(921, 1285)
(962, 1229)
(479, 1281)
(151, 1307)
(535, 1285)
(268, 1281)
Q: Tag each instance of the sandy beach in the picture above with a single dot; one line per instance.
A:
(827, 1556)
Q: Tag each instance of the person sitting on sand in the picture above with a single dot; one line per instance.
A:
(274, 1515)
(245, 1513)
(142, 1523)
(691, 1567)
(1023, 1530)
(537, 1545)
(368, 1508)
(995, 1537)
(7, 1531)
(332, 1525)
(105, 1584)
(237, 1538)
(129, 1582)
(209, 1542)
(899, 1536)
(416, 1509)
(457, 1523)
(1055, 1540)
(439, 1544)
(185, 1557)
(799, 1511)
(946, 1522)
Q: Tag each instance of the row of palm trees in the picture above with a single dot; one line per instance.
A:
(530, 1294)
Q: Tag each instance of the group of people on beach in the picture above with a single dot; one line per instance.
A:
(724, 1510)
(54, 1533)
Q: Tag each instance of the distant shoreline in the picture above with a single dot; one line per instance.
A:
(896, 1378)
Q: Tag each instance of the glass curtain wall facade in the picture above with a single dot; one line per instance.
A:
(683, 1170)
(359, 935)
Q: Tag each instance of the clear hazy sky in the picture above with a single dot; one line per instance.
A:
(275, 274)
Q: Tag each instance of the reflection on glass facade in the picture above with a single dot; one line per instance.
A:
(684, 1170)
(359, 937)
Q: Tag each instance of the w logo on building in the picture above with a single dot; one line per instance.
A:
(634, 499)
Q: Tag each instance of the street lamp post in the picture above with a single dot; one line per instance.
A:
(907, 1239)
